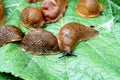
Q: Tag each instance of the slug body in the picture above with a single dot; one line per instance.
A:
(40, 42)
(2, 16)
(53, 10)
(32, 1)
(32, 18)
(73, 33)
(10, 34)
(89, 8)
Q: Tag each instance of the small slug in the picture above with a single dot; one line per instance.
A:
(32, 1)
(73, 33)
(53, 10)
(32, 18)
(10, 33)
(89, 8)
(39, 42)
(2, 16)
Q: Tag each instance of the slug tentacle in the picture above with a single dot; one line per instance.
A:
(101, 13)
(68, 54)
(92, 26)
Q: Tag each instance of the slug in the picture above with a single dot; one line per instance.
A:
(89, 8)
(2, 16)
(10, 33)
(73, 33)
(32, 1)
(32, 18)
(39, 42)
(53, 10)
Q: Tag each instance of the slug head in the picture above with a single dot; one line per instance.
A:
(90, 33)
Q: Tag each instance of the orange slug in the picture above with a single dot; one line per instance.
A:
(53, 10)
(32, 18)
(89, 8)
(73, 33)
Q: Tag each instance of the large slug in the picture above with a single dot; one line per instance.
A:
(89, 8)
(10, 33)
(40, 42)
(73, 33)
(53, 10)
(32, 18)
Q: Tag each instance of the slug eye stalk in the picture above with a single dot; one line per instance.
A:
(68, 54)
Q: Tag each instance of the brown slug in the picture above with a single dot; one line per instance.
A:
(32, 18)
(2, 16)
(89, 8)
(39, 42)
(32, 1)
(10, 33)
(53, 10)
(73, 33)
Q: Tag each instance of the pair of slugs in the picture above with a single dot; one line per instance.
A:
(40, 41)
(43, 42)
(51, 11)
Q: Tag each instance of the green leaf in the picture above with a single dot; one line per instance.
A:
(98, 58)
